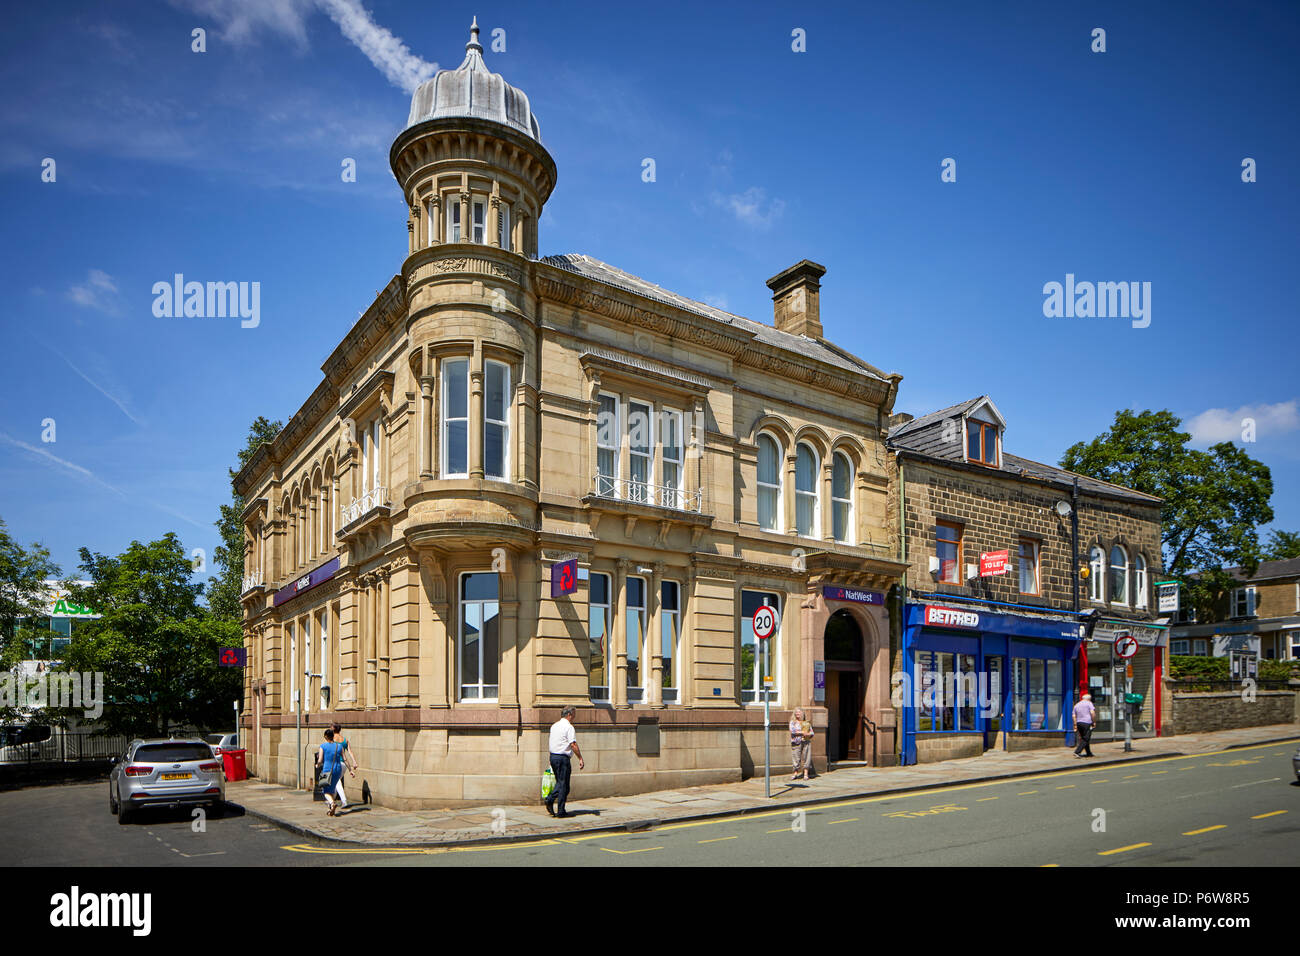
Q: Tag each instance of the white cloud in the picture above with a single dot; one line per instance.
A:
(95, 385)
(99, 291)
(1222, 424)
(242, 20)
(752, 207)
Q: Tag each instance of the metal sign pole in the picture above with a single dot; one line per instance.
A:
(767, 731)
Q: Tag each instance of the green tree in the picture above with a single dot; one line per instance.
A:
(23, 573)
(1214, 500)
(155, 643)
(228, 583)
(1282, 545)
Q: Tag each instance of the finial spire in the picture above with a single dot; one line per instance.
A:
(473, 43)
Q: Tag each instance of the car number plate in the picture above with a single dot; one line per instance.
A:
(175, 776)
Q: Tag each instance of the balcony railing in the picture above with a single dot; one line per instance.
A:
(254, 579)
(368, 502)
(645, 493)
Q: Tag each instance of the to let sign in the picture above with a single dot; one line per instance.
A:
(994, 562)
(564, 577)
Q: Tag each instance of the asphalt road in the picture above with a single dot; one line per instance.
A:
(1238, 808)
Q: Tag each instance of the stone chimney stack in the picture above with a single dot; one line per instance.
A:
(796, 299)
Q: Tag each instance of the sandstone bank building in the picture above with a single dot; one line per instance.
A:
(493, 413)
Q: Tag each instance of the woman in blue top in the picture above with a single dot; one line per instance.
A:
(329, 763)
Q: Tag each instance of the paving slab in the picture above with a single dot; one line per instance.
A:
(368, 825)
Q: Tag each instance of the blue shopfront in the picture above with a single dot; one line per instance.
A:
(982, 676)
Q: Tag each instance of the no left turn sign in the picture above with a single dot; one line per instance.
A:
(1126, 646)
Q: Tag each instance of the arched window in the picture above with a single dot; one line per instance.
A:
(1118, 576)
(806, 510)
(842, 498)
(1096, 575)
(769, 483)
(1140, 580)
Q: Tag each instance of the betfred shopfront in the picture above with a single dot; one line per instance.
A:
(982, 676)
(1106, 674)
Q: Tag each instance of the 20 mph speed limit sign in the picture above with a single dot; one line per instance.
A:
(764, 622)
(1126, 646)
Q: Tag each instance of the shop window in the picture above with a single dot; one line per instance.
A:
(769, 483)
(455, 418)
(480, 616)
(806, 509)
(670, 631)
(598, 618)
(948, 549)
(1118, 575)
(1243, 602)
(636, 625)
(751, 601)
(1028, 566)
(949, 692)
(1037, 694)
(842, 499)
(496, 420)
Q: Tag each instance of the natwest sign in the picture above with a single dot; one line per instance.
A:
(994, 562)
(950, 617)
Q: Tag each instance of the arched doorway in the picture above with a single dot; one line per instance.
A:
(845, 688)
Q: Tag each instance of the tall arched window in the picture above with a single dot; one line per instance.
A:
(1140, 580)
(842, 498)
(769, 483)
(806, 510)
(1096, 575)
(1118, 576)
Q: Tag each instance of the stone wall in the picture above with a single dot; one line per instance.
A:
(1198, 713)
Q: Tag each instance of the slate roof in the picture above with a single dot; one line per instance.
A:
(924, 436)
(1285, 568)
(591, 268)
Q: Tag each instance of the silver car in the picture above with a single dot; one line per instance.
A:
(1295, 764)
(166, 773)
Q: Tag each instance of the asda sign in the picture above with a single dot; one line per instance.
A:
(58, 603)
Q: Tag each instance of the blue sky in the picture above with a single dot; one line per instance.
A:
(225, 166)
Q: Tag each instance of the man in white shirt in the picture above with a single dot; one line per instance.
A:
(564, 740)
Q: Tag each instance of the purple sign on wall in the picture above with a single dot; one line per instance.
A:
(307, 581)
(564, 577)
(849, 594)
(232, 657)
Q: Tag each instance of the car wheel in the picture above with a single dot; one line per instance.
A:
(112, 804)
(123, 817)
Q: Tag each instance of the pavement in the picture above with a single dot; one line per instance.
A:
(368, 825)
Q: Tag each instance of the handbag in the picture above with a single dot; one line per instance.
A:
(323, 779)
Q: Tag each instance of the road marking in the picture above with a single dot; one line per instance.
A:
(908, 814)
(1026, 793)
(1217, 826)
(719, 839)
(1123, 849)
(648, 849)
(1261, 816)
(1068, 786)
(1046, 865)
(1131, 776)
(1107, 780)
(849, 820)
(782, 830)
(1254, 783)
(1156, 773)
(982, 799)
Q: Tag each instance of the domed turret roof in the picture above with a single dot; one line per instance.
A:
(473, 90)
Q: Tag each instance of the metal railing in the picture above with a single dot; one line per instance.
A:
(648, 493)
(370, 500)
(62, 746)
(252, 580)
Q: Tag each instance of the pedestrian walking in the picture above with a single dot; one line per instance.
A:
(1085, 715)
(349, 763)
(564, 741)
(329, 769)
(801, 735)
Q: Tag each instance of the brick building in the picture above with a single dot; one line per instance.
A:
(989, 626)
(493, 414)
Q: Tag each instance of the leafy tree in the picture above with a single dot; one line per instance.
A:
(1214, 501)
(155, 643)
(1282, 545)
(23, 573)
(227, 584)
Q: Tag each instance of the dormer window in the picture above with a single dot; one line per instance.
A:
(982, 443)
